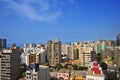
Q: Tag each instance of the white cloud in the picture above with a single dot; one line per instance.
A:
(40, 10)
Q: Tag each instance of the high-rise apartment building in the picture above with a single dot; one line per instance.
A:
(32, 58)
(10, 64)
(2, 43)
(67, 49)
(102, 46)
(38, 58)
(108, 56)
(85, 56)
(82, 51)
(54, 52)
(33, 54)
(118, 40)
(93, 56)
(77, 47)
(117, 56)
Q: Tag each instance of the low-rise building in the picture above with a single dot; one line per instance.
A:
(63, 74)
(79, 77)
(37, 72)
(95, 72)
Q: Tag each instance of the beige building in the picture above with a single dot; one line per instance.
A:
(117, 56)
(31, 75)
(32, 58)
(64, 49)
(10, 64)
(38, 58)
(85, 56)
(82, 51)
(67, 49)
(77, 47)
(54, 52)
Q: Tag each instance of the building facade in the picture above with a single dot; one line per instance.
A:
(54, 52)
(118, 40)
(10, 64)
(95, 72)
(37, 72)
(33, 53)
(3, 43)
(82, 51)
(63, 74)
(67, 50)
(117, 56)
(44, 73)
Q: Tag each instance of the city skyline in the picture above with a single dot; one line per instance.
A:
(70, 20)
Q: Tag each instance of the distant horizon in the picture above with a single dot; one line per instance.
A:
(26, 21)
(21, 44)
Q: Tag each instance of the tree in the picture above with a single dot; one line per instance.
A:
(23, 67)
(99, 58)
(119, 69)
(58, 66)
(75, 67)
(83, 68)
(111, 75)
(23, 74)
(103, 65)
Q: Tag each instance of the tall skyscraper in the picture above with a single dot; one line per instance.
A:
(2, 43)
(10, 64)
(118, 40)
(54, 52)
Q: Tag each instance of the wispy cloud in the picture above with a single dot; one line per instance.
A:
(39, 10)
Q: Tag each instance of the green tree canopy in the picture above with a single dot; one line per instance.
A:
(103, 65)
(99, 58)
(58, 66)
(75, 67)
(118, 68)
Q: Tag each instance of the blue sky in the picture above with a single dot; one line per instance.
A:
(27, 21)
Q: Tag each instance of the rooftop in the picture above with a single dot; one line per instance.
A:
(64, 71)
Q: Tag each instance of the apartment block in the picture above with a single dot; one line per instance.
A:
(82, 51)
(3, 43)
(67, 49)
(118, 40)
(54, 52)
(85, 56)
(117, 56)
(108, 56)
(33, 53)
(38, 72)
(10, 64)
